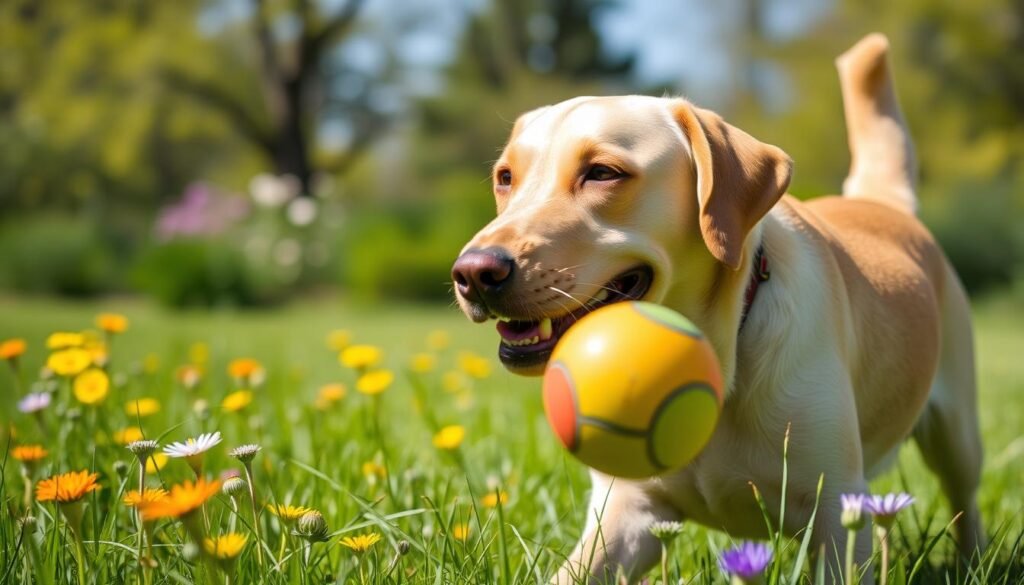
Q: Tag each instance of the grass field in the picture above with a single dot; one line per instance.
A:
(370, 465)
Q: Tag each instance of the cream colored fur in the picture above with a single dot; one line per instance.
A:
(860, 339)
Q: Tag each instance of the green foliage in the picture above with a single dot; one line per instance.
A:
(56, 254)
(313, 456)
(206, 272)
(981, 234)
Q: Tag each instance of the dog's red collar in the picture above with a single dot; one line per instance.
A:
(759, 274)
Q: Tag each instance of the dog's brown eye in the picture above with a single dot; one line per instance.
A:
(504, 177)
(601, 173)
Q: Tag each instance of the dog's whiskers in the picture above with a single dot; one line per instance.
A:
(567, 295)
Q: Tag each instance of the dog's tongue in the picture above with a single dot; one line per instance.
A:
(520, 330)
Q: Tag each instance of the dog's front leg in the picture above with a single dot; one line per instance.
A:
(617, 540)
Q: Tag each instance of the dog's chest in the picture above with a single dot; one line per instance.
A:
(717, 492)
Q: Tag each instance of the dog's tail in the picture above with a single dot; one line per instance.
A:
(883, 164)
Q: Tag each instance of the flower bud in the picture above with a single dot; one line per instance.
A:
(313, 527)
(121, 468)
(234, 487)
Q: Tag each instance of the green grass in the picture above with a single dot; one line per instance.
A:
(315, 458)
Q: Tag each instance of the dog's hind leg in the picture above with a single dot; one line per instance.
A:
(947, 432)
(883, 164)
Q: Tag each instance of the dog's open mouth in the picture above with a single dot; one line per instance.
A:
(528, 344)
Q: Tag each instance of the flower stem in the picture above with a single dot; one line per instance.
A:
(851, 547)
(138, 515)
(664, 564)
(883, 537)
(255, 517)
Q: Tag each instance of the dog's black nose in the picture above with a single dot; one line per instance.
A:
(481, 273)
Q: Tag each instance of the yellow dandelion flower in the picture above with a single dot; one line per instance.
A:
(236, 401)
(156, 462)
(133, 498)
(438, 339)
(423, 363)
(128, 435)
(69, 362)
(29, 453)
(475, 365)
(226, 546)
(91, 386)
(375, 382)
(245, 369)
(112, 322)
(67, 487)
(360, 356)
(288, 512)
(339, 339)
(12, 348)
(449, 437)
(460, 531)
(142, 407)
(151, 363)
(199, 353)
(373, 471)
(361, 542)
(188, 376)
(182, 500)
(492, 499)
(64, 340)
(454, 381)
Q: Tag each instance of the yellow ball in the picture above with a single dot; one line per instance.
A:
(633, 390)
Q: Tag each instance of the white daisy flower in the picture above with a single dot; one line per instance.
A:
(196, 446)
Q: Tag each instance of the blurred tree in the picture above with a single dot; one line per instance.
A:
(514, 56)
(294, 75)
(959, 70)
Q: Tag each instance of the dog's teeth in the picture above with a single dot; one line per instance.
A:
(545, 329)
(505, 319)
(601, 296)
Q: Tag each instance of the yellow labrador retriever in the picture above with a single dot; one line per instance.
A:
(860, 338)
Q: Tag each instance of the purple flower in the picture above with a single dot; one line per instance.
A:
(34, 402)
(202, 211)
(852, 516)
(884, 508)
(746, 561)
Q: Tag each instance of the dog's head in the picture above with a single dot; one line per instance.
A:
(607, 199)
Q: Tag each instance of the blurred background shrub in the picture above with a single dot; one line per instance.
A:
(210, 152)
(56, 254)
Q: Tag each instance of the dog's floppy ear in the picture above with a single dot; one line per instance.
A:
(739, 179)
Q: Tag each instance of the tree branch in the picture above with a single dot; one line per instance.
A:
(314, 43)
(217, 98)
(268, 51)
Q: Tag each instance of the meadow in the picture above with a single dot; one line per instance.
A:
(425, 460)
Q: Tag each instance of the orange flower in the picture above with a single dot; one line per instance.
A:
(112, 322)
(245, 369)
(67, 487)
(183, 499)
(12, 348)
(188, 376)
(29, 453)
(150, 495)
